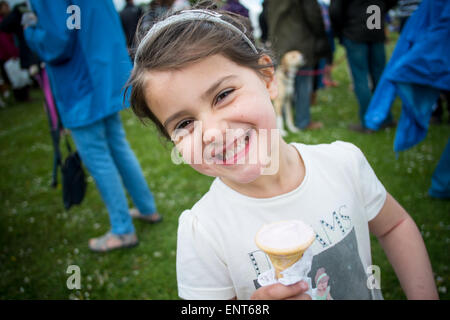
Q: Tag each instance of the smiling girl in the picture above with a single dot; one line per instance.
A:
(199, 77)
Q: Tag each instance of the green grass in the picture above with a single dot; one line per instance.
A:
(39, 239)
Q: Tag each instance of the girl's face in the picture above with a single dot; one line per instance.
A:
(322, 285)
(214, 111)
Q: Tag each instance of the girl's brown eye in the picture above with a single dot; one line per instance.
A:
(223, 95)
(183, 124)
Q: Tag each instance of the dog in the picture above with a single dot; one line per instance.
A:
(285, 75)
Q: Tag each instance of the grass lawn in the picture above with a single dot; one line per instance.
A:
(39, 239)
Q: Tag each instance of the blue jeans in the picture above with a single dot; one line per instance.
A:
(109, 159)
(366, 59)
(302, 99)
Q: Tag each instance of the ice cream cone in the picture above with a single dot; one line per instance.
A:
(293, 238)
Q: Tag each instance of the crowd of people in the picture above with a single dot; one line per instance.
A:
(89, 66)
(312, 27)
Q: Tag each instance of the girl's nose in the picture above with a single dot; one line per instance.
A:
(214, 129)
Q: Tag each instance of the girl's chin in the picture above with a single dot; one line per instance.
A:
(244, 175)
(238, 173)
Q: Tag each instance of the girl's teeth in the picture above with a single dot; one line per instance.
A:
(238, 147)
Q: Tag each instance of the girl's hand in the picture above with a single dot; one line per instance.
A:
(279, 291)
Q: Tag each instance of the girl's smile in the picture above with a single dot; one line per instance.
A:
(235, 152)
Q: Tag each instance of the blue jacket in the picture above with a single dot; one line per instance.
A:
(418, 69)
(89, 66)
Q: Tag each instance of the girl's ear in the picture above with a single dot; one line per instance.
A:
(269, 76)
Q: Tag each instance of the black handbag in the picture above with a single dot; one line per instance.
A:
(73, 178)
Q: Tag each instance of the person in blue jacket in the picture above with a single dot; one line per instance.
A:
(83, 45)
(419, 69)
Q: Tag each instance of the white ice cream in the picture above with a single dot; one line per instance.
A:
(285, 234)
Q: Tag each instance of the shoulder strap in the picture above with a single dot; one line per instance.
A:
(69, 148)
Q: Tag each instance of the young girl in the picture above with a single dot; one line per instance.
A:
(322, 290)
(199, 77)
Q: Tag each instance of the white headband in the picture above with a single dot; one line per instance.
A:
(189, 15)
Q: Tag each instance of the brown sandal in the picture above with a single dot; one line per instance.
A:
(149, 218)
(103, 243)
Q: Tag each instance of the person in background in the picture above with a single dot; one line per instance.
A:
(11, 23)
(365, 49)
(88, 67)
(405, 9)
(129, 17)
(8, 50)
(322, 77)
(180, 5)
(262, 19)
(327, 80)
(236, 7)
(156, 9)
(438, 114)
(162, 6)
(298, 25)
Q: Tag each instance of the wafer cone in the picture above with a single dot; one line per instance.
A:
(284, 258)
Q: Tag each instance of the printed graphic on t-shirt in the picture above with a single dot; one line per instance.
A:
(334, 228)
(336, 272)
(339, 272)
(260, 263)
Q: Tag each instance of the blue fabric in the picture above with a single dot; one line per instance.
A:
(418, 69)
(88, 67)
(107, 156)
(318, 78)
(365, 59)
(416, 113)
(302, 99)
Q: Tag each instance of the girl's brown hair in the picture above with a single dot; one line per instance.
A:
(187, 42)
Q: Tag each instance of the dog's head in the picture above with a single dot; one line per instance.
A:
(292, 60)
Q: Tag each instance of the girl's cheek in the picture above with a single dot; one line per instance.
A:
(185, 148)
(194, 154)
(203, 169)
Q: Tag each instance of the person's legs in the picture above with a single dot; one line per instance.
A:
(95, 152)
(358, 60)
(436, 116)
(128, 166)
(377, 63)
(446, 95)
(302, 99)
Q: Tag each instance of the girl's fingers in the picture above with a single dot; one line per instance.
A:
(303, 296)
(280, 292)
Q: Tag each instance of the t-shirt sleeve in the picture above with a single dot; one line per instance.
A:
(201, 272)
(369, 188)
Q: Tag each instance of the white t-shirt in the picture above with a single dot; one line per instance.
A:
(217, 257)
